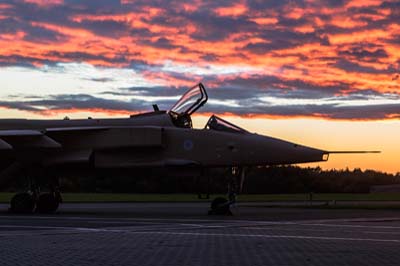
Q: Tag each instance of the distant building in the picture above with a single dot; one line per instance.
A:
(386, 188)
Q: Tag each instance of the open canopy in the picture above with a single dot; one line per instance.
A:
(191, 101)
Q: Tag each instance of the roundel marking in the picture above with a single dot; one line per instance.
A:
(188, 145)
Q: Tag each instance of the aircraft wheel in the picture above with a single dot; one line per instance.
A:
(47, 203)
(220, 206)
(22, 203)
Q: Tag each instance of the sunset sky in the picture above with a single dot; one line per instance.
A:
(321, 73)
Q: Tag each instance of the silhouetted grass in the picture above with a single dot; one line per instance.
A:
(111, 197)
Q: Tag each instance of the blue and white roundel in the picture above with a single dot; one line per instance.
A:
(188, 145)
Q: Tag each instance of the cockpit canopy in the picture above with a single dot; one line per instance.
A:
(192, 100)
(189, 103)
(219, 124)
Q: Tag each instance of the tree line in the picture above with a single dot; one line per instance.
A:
(260, 180)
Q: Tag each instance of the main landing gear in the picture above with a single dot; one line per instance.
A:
(28, 202)
(34, 200)
(222, 206)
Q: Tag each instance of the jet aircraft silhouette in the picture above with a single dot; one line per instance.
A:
(158, 139)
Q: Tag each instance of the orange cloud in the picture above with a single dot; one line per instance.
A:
(364, 3)
(265, 20)
(44, 3)
(347, 22)
(294, 12)
(234, 10)
(94, 111)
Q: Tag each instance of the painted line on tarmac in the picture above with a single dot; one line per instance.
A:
(212, 222)
(324, 230)
(128, 231)
(386, 233)
(275, 236)
(18, 230)
(352, 226)
(205, 226)
(127, 222)
(117, 218)
(33, 226)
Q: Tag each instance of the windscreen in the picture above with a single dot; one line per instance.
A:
(192, 100)
(216, 123)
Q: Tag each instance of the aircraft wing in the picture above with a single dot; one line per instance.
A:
(20, 133)
(103, 161)
(10, 139)
(31, 139)
(106, 146)
(75, 129)
(180, 162)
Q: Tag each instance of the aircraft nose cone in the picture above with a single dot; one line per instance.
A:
(306, 154)
(271, 151)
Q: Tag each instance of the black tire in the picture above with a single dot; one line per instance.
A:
(47, 203)
(220, 206)
(22, 203)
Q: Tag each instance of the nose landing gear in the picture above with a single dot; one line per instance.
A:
(222, 206)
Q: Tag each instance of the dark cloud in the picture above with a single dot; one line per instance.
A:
(41, 35)
(98, 4)
(9, 25)
(213, 28)
(162, 43)
(29, 12)
(23, 61)
(283, 39)
(365, 51)
(274, 83)
(248, 101)
(331, 111)
(102, 79)
(109, 28)
(355, 67)
(273, 4)
(73, 102)
(32, 33)
(82, 57)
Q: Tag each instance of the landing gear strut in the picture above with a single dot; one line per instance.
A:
(222, 206)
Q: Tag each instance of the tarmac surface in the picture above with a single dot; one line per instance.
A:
(183, 234)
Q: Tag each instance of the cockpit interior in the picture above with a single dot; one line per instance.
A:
(189, 103)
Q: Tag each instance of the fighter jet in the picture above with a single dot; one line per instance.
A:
(157, 139)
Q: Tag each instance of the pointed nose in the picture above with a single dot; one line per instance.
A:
(304, 154)
(275, 151)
